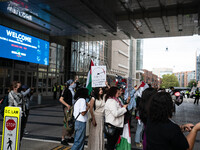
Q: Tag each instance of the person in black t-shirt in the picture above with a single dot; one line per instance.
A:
(66, 100)
(161, 132)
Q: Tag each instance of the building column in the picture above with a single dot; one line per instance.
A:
(132, 60)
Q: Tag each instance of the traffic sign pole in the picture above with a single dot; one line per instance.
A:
(11, 128)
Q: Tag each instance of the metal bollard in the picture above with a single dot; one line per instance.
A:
(39, 98)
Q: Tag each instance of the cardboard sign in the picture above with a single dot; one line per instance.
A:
(98, 76)
(11, 128)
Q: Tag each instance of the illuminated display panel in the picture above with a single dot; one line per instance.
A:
(20, 46)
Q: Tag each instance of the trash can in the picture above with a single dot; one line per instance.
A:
(39, 98)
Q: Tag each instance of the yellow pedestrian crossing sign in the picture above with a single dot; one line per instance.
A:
(11, 128)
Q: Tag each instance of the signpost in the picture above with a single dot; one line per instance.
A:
(11, 128)
(98, 76)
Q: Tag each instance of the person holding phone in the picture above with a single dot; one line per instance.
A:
(114, 115)
(96, 136)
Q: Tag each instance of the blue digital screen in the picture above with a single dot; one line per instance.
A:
(20, 46)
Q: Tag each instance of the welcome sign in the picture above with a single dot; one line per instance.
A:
(20, 46)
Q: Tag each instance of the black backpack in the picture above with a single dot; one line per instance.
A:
(4, 103)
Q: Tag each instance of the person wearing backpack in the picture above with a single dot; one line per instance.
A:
(66, 100)
(15, 99)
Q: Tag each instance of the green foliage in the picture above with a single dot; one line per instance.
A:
(192, 83)
(169, 80)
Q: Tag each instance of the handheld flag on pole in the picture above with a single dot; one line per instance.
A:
(89, 78)
(124, 142)
(142, 87)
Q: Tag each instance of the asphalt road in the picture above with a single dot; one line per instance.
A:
(45, 126)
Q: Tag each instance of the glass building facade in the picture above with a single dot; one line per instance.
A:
(191, 76)
(81, 55)
(40, 77)
(43, 77)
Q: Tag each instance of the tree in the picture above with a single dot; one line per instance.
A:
(192, 83)
(169, 80)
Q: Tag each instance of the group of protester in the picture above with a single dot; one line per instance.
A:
(103, 105)
(109, 109)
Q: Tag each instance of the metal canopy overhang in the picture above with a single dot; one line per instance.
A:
(106, 19)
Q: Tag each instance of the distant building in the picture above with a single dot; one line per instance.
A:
(162, 71)
(185, 77)
(139, 61)
(197, 65)
(190, 76)
(151, 78)
(120, 60)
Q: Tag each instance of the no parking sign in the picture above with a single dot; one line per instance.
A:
(11, 128)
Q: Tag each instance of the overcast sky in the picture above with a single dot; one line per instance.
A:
(180, 55)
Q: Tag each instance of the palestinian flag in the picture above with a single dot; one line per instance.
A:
(89, 78)
(124, 142)
(142, 87)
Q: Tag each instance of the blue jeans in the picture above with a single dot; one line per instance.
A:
(138, 134)
(79, 137)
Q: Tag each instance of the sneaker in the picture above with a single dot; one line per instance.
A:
(64, 142)
(139, 145)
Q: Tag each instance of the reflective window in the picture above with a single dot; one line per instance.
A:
(83, 52)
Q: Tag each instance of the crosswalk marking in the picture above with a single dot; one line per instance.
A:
(57, 148)
(62, 148)
(67, 148)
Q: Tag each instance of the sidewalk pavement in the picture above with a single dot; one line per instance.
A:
(46, 101)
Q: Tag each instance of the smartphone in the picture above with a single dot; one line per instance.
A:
(87, 100)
